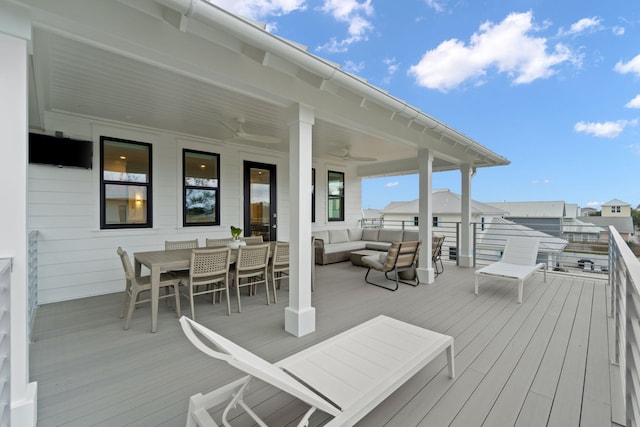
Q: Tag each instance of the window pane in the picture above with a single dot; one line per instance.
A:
(125, 162)
(200, 170)
(335, 209)
(336, 196)
(200, 206)
(125, 204)
(336, 183)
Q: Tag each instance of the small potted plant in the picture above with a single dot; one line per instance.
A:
(235, 235)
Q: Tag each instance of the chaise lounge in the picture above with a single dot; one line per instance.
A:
(345, 376)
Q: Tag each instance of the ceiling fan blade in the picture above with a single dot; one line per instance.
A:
(362, 159)
(265, 139)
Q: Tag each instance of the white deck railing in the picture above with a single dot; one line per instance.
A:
(624, 279)
(5, 342)
(32, 282)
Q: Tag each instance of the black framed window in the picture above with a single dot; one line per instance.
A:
(201, 188)
(125, 184)
(313, 195)
(336, 196)
(435, 221)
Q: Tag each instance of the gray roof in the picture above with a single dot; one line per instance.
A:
(573, 225)
(498, 230)
(616, 202)
(443, 202)
(553, 209)
(622, 224)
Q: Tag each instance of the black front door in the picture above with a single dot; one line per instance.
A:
(260, 200)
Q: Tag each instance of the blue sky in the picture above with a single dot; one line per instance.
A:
(554, 86)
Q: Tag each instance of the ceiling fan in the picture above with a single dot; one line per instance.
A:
(239, 133)
(348, 157)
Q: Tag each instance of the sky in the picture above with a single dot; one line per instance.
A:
(553, 86)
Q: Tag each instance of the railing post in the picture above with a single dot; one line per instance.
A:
(458, 244)
(475, 231)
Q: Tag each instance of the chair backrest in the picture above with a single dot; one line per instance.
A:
(126, 265)
(251, 364)
(253, 240)
(217, 243)
(180, 244)
(207, 263)
(521, 250)
(401, 254)
(436, 247)
(280, 255)
(252, 257)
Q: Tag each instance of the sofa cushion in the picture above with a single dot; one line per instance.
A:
(355, 234)
(390, 235)
(344, 247)
(410, 236)
(323, 235)
(370, 234)
(378, 246)
(338, 236)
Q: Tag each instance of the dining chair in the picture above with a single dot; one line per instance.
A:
(218, 243)
(253, 240)
(135, 285)
(279, 265)
(180, 244)
(208, 274)
(251, 265)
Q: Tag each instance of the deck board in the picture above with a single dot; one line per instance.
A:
(542, 362)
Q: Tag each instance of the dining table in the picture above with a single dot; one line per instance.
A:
(163, 261)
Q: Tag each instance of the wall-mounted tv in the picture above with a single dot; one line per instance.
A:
(61, 152)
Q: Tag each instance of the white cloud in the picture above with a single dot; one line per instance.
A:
(594, 204)
(355, 14)
(256, 9)
(618, 31)
(635, 149)
(392, 184)
(632, 66)
(541, 181)
(584, 24)
(352, 67)
(507, 46)
(437, 5)
(604, 130)
(392, 68)
(634, 103)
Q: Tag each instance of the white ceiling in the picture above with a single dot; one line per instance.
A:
(193, 85)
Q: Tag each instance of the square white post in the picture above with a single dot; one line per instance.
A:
(425, 271)
(15, 25)
(465, 255)
(300, 317)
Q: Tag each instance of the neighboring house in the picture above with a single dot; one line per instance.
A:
(588, 211)
(616, 209)
(371, 218)
(575, 230)
(623, 225)
(204, 105)
(546, 217)
(446, 208)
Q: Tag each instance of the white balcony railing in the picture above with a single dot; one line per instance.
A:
(625, 311)
(5, 342)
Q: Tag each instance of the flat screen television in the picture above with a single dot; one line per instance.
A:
(61, 152)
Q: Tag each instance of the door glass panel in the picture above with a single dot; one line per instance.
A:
(260, 191)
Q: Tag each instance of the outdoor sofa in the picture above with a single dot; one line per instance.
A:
(336, 245)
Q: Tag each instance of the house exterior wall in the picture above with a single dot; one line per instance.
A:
(77, 259)
(552, 226)
(612, 211)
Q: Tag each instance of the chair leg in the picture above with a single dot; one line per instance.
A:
(266, 286)
(275, 296)
(366, 279)
(176, 290)
(226, 291)
(124, 303)
(132, 304)
(193, 311)
(238, 294)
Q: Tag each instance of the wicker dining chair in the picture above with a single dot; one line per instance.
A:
(279, 265)
(253, 240)
(134, 286)
(218, 243)
(180, 244)
(251, 265)
(208, 274)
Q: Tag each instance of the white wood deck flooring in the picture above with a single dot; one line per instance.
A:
(544, 362)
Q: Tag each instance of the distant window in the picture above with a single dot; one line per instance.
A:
(482, 224)
(415, 221)
(125, 184)
(435, 221)
(336, 196)
(200, 188)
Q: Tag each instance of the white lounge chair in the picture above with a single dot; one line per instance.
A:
(518, 262)
(345, 376)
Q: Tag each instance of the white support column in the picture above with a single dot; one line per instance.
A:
(15, 26)
(465, 254)
(426, 274)
(300, 317)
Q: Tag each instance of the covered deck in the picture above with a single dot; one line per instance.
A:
(543, 362)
